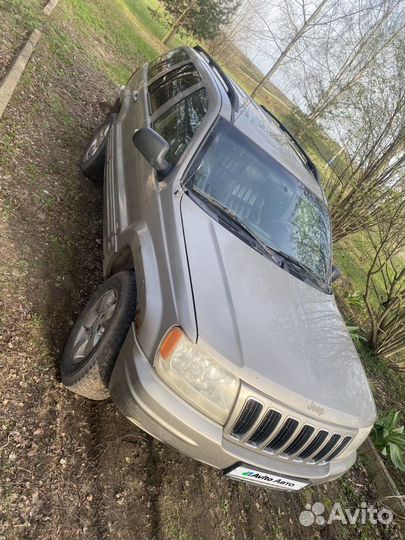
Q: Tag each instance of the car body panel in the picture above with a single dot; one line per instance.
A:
(271, 326)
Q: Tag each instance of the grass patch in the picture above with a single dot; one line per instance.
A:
(61, 45)
(22, 15)
(154, 24)
(6, 147)
(114, 44)
(141, 10)
(7, 210)
(58, 107)
(352, 258)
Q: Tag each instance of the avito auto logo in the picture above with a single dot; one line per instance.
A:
(267, 478)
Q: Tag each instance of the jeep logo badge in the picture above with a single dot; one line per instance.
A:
(311, 406)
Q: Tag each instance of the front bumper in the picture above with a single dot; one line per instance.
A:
(148, 402)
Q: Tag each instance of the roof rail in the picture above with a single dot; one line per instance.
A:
(233, 97)
(308, 161)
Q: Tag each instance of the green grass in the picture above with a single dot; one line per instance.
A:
(351, 257)
(116, 47)
(140, 8)
(155, 24)
(58, 107)
(6, 147)
(22, 15)
(387, 384)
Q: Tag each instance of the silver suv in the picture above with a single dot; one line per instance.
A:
(216, 330)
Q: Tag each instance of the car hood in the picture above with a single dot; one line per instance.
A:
(277, 333)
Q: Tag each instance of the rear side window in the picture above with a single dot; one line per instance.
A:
(171, 84)
(178, 124)
(166, 61)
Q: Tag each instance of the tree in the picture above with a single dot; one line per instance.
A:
(200, 18)
(384, 295)
(344, 52)
(236, 30)
(370, 124)
(307, 24)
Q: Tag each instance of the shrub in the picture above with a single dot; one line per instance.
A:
(389, 439)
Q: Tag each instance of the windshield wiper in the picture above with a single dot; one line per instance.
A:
(277, 256)
(302, 268)
(234, 219)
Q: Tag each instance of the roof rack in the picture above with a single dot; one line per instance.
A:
(308, 161)
(233, 97)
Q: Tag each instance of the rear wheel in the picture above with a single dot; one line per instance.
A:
(97, 336)
(93, 160)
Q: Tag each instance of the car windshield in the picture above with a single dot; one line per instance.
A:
(236, 175)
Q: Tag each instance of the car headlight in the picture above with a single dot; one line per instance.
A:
(195, 376)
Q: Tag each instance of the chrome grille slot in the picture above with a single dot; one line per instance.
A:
(283, 436)
(300, 440)
(327, 448)
(266, 427)
(314, 445)
(247, 418)
(339, 448)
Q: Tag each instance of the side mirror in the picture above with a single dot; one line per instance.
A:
(336, 273)
(154, 148)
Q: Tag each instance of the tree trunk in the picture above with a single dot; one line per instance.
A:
(284, 53)
(176, 25)
(353, 70)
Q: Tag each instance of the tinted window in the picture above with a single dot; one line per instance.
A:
(166, 61)
(180, 122)
(271, 202)
(171, 84)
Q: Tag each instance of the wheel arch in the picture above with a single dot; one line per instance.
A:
(121, 260)
(129, 257)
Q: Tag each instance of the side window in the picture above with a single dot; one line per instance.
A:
(166, 61)
(178, 124)
(171, 84)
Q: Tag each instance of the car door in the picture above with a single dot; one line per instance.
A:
(122, 168)
(125, 171)
(148, 91)
(178, 104)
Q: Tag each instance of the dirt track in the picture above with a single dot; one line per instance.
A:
(72, 468)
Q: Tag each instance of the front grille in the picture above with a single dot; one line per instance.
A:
(270, 431)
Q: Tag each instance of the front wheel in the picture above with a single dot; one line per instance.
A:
(97, 337)
(93, 160)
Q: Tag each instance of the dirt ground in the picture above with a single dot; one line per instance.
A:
(71, 468)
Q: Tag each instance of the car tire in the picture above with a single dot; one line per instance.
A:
(93, 160)
(97, 337)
